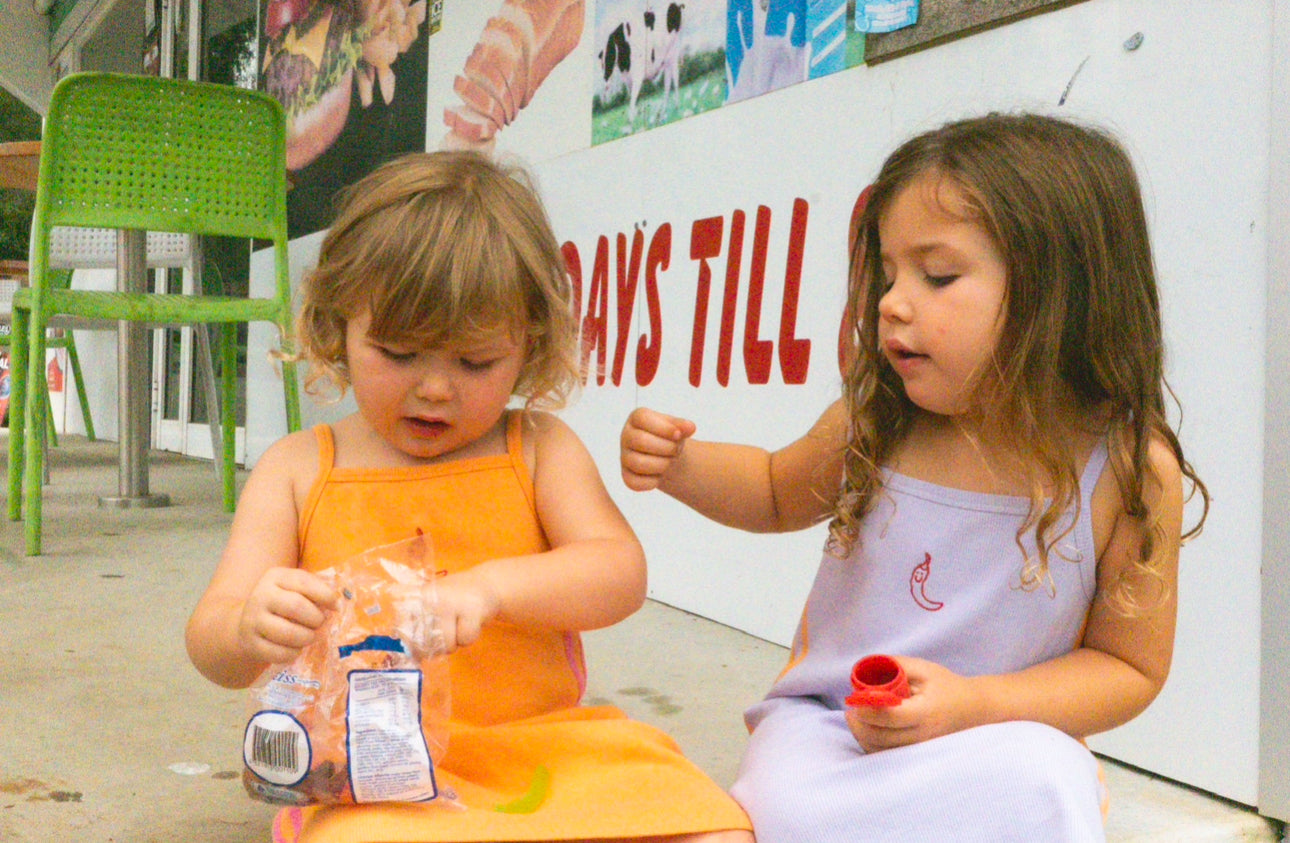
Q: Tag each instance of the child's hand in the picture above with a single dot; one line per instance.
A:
(940, 702)
(650, 443)
(463, 604)
(282, 613)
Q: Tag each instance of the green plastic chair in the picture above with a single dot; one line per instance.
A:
(140, 152)
(61, 338)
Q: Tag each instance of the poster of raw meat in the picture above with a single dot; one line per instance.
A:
(655, 62)
(774, 43)
(496, 57)
(351, 75)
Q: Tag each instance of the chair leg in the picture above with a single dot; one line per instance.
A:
(202, 338)
(79, 380)
(228, 416)
(291, 391)
(51, 433)
(34, 425)
(290, 385)
(17, 410)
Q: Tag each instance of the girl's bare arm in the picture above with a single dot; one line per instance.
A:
(594, 573)
(259, 609)
(741, 486)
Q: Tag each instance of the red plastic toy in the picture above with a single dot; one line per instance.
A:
(879, 682)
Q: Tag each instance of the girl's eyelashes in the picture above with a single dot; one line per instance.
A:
(477, 365)
(469, 364)
(937, 281)
(397, 355)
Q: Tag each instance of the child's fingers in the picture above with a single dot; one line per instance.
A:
(685, 427)
(653, 425)
(282, 633)
(643, 472)
(271, 653)
(468, 630)
(456, 631)
(656, 441)
(876, 729)
(310, 586)
(641, 482)
(463, 604)
(297, 608)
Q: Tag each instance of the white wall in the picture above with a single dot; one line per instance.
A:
(1191, 103)
(24, 61)
(1274, 783)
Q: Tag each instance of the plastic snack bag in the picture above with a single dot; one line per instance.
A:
(361, 714)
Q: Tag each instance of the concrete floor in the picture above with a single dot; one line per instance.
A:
(110, 736)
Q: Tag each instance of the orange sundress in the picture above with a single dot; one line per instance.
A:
(515, 692)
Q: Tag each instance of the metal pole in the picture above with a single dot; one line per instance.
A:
(133, 382)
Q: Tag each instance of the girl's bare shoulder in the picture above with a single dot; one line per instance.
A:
(1162, 490)
(287, 467)
(290, 455)
(545, 437)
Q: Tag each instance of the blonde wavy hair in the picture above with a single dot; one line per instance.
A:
(442, 246)
(1061, 202)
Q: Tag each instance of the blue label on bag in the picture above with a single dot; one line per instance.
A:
(375, 643)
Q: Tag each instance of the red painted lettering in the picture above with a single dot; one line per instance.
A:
(647, 354)
(573, 268)
(756, 350)
(705, 243)
(730, 300)
(595, 325)
(628, 274)
(794, 354)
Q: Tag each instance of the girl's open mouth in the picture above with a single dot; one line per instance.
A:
(428, 427)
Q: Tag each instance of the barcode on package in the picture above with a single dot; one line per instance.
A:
(276, 748)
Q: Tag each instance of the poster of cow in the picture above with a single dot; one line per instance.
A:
(655, 62)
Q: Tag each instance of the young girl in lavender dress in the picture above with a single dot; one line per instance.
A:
(1005, 494)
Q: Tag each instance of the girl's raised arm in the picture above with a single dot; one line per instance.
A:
(594, 573)
(259, 608)
(741, 486)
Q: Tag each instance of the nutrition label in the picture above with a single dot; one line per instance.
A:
(388, 757)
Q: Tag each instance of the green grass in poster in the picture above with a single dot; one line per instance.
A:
(698, 92)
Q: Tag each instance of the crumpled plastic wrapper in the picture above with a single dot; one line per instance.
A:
(361, 714)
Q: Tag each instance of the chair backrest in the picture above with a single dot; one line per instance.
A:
(95, 248)
(141, 152)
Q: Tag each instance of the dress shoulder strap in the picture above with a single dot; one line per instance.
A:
(1093, 469)
(326, 461)
(515, 450)
(326, 447)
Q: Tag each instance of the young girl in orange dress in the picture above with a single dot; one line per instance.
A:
(440, 298)
(1005, 496)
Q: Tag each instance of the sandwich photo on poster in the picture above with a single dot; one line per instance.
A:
(351, 76)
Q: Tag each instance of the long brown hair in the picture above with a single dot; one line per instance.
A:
(443, 246)
(1062, 203)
